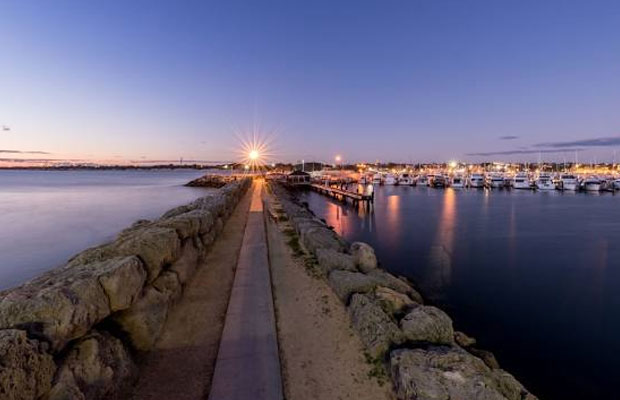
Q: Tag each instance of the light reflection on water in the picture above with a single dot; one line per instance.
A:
(535, 276)
(47, 216)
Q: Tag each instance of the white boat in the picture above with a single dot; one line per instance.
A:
(476, 181)
(376, 178)
(389, 179)
(521, 181)
(422, 180)
(617, 184)
(405, 179)
(592, 184)
(457, 182)
(495, 181)
(544, 182)
(568, 182)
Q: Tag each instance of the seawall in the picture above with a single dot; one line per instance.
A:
(77, 331)
(415, 343)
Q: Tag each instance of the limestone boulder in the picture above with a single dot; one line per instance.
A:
(376, 329)
(185, 225)
(186, 264)
(388, 280)
(168, 284)
(58, 307)
(97, 367)
(345, 283)
(26, 370)
(144, 321)
(155, 246)
(330, 260)
(122, 280)
(463, 340)
(391, 301)
(443, 373)
(317, 237)
(427, 324)
(364, 256)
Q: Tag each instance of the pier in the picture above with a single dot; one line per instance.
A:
(344, 195)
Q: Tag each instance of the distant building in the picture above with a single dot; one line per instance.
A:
(298, 178)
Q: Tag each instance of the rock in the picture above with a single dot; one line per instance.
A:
(95, 368)
(388, 280)
(329, 260)
(218, 226)
(155, 246)
(317, 237)
(187, 263)
(208, 239)
(392, 301)
(168, 284)
(486, 356)
(427, 324)
(345, 283)
(364, 256)
(58, 307)
(122, 280)
(463, 340)
(178, 211)
(144, 321)
(443, 373)
(26, 370)
(376, 329)
(186, 225)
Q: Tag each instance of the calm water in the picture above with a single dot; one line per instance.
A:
(47, 216)
(535, 277)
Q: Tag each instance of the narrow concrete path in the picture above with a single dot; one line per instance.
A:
(181, 365)
(248, 364)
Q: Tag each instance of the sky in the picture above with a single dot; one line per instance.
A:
(407, 81)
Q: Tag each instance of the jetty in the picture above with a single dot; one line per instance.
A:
(344, 195)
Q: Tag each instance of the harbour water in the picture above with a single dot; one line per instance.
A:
(535, 277)
(47, 216)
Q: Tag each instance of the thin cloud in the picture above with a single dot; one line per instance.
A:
(23, 152)
(519, 152)
(596, 142)
(509, 137)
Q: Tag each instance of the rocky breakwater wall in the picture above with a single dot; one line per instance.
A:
(416, 343)
(76, 332)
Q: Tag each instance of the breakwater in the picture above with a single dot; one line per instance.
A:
(76, 332)
(425, 358)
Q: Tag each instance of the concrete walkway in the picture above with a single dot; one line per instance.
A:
(248, 364)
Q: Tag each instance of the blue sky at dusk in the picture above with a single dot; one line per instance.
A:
(410, 81)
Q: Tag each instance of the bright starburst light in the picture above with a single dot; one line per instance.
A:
(255, 150)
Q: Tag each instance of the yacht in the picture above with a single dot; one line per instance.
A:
(544, 182)
(476, 181)
(568, 182)
(422, 180)
(389, 179)
(376, 178)
(405, 179)
(522, 181)
(592, 184)
(457, 182)
(617, 184)
(495, 181)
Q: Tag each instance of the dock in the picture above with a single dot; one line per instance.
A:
(344, 195)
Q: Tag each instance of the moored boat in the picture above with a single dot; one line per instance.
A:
(457, 182)
(476, 181)
(568, 182)
(521, 181)
(544, 182)
(495, 181)
(592, 184)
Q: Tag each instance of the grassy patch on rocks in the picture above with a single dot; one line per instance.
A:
(377, 370)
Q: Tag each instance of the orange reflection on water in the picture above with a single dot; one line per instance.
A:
(440, 257)
(393, 219)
